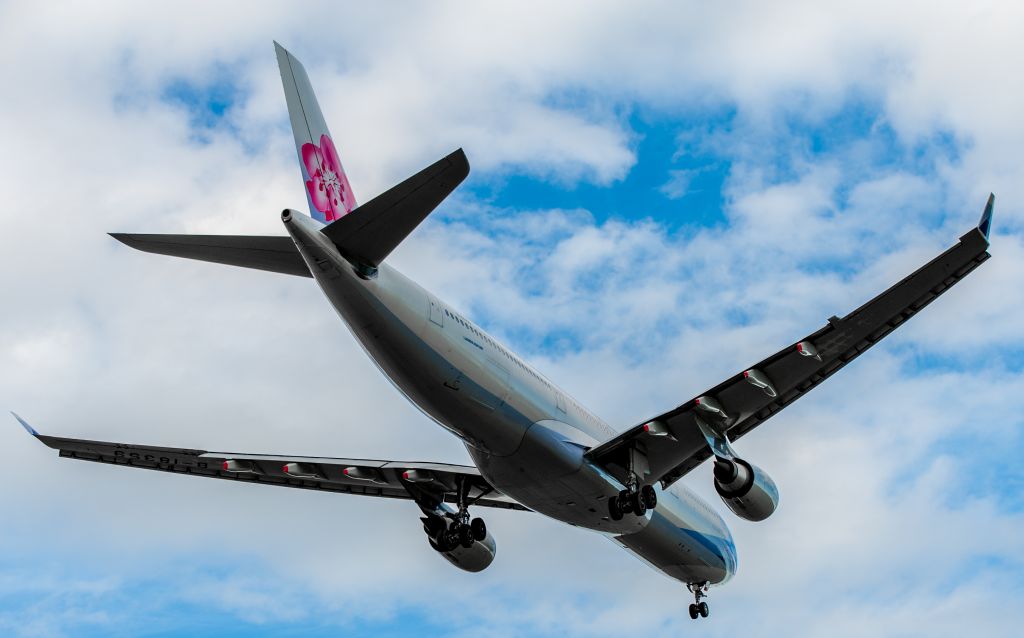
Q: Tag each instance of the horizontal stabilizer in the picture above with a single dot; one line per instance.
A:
(276, 254)
(369, 233)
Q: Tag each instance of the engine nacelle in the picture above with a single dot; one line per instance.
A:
(475, 558)
(746, 489)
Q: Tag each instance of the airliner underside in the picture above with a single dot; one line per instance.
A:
(533, 447)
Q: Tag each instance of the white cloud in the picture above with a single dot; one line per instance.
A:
(678, 184)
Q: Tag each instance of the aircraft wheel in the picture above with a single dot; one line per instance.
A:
(466, 536)
(625, 501)
(639, 506)
(703, 609)
(650, 496)
(693, 611)
(479, 529)
(614, 509)
(446, 541)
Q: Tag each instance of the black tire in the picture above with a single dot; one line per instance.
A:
(466, 536)
(650, 496)
(639, 507)
(613, 508)
(446, 541)
(693, 611)
(703, 609)
(479, 529)
(625, 502)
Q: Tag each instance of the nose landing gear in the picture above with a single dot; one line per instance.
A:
(698, 607)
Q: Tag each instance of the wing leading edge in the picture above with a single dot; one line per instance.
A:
(389, 479)
(674, 443)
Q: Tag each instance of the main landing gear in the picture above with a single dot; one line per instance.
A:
(698, 607)
(462, 531)
(637, 501)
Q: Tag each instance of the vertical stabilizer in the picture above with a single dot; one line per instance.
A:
(327, 188)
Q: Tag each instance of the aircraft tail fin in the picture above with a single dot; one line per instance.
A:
(364, 235)
(327, 189)
(372, 231)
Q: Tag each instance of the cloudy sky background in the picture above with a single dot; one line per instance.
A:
(661, 194)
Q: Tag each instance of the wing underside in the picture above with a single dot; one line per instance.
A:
(389, 479)
(675, 442)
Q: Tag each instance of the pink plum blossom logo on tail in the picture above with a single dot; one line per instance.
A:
(328, 186)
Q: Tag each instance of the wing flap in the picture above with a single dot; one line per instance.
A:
(791, 372)
(274, 254)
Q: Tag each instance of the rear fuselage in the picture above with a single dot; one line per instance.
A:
(526, 436)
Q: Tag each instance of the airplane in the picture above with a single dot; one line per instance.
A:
(533, 446)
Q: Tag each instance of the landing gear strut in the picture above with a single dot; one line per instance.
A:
(698, 607)
(462, 531)
(634, 500)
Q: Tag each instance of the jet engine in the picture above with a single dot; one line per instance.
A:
(469, 547)
(748, 491)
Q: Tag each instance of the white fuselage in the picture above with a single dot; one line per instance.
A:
(526, 436)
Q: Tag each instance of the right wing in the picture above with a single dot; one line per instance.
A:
(679, 440)
(276, 254)
(430, 482)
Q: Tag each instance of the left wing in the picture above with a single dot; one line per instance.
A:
(438, 482)
(670, 445)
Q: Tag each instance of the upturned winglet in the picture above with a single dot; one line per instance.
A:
(985, 223)
(28, 428)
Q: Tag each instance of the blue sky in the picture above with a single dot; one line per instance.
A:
(658, 198)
